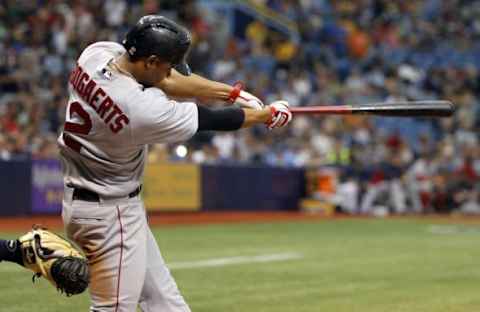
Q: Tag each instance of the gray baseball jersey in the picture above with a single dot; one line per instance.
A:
(110, 120)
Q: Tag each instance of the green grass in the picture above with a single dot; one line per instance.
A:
(349, 265)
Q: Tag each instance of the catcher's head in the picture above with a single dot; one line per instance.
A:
(158, 44)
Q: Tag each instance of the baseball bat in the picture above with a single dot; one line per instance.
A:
(393, 109)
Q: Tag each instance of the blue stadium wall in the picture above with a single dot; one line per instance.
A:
(15, 188)
(36, 187)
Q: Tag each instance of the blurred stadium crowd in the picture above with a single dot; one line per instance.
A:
(334, 52)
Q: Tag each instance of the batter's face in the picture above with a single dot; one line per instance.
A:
(155, 70)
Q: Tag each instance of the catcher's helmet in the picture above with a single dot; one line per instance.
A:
(162, 37)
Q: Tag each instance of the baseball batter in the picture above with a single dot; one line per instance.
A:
(118, 105)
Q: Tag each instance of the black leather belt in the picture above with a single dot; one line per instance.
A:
(87, 195)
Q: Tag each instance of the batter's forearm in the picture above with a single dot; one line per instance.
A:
(194, 86)
(233, 118)
(255, 117)
(230, 118)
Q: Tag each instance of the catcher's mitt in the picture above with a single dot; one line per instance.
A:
(56, 259)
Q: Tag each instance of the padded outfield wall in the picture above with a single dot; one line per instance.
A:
(36, 187)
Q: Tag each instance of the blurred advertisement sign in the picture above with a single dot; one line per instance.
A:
(172, 187)
(47, 186)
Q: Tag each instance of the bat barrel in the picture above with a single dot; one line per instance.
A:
(420, 108)
(393, 109)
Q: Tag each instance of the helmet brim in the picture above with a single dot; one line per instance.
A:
(183, 68)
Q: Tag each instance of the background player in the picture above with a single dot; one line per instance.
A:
(114, 111)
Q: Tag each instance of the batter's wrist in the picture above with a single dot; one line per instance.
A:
(235, 92)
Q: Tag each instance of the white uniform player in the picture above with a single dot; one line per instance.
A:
(110, 119)
(103, 150)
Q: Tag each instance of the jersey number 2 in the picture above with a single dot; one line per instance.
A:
(84, 128)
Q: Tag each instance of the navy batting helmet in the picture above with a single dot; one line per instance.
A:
(162, 37)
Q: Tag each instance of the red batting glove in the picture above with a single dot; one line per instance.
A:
(281, 115)
(244, 99)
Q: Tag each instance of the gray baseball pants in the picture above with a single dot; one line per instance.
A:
(126, 267)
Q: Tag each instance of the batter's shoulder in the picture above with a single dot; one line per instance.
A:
(109, 47)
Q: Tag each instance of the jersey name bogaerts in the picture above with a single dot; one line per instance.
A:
(110, 119)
